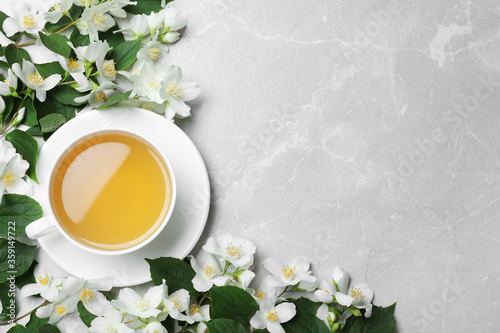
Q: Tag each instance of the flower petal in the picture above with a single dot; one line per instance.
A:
(285, 311)
(11, 26)
(343, 299)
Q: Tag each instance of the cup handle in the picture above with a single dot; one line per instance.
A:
(40, 228)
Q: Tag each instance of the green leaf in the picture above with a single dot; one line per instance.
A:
(3, 16)
(381, 321)
(108, 294)
(305, 321)
(77, 39)
(115, 99)
(47, 328)
(30, 118)
(28, 277)
(50, 68)
(17, 329)
(51, 122)
(66, 95)
(74, 11)
(4, 65)
(126, 53)
(145, 7)
(261, 331)
(8, 300)
(113, 39)
(85, 315)
(34, 131)
(52, 106)
(177, 274)
(15, 258)
(20, 209)
(56, 43)
(10, 103)
(223, 325)
(27, 146)
(16, 55)
(232, 303)
(35, 323)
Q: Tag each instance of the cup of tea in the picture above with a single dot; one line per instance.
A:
(110, 192)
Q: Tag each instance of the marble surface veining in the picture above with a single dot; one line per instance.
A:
(363, 134)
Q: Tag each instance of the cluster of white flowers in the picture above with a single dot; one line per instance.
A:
(155, 87)
(224, 260)
(13, 171)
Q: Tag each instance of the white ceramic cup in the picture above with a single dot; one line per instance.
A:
(49, 223)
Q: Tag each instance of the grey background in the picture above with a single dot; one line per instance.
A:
(362, 134)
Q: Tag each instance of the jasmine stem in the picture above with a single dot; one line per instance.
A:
(226, 268)
(284, 291)
(24, 315)
(205, 295)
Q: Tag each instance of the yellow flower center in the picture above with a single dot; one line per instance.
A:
(210, 270)
(100, 20)
(233, 250)
(109, 328)
(44, 280)
(61, 310)
(9, 179)
(261, 294)
(74, 64)
(288, 272)
(272, 316)
(153, 83)
(142, 304)
(7, 81)
(35, 78)
(154, 53)
(86, 296)
(55, 7)
(177, 303)
(29, 21)
(357, 294)
(101, 97)
(148, 107)
(194, 309)
(109, 68)
(175, 90)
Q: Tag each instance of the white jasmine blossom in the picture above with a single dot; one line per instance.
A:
(23, 19)
(95, 18)
(175, 304)
(99, 95)
(118, 11)
(110, 320)
(33, 80)
(176, 92)
(107, 69)
(360, 296)
(149, 83)
(271, 316)
(12, 171)
(9, 85)
(171, 25)
(231, 248)
(138, 27)
(57, 10)
(59, 309)
(208, 272)
(151, 52)
(86, 290)
(134, 304)
(93, 52)
(154, 327)
(198, 313)
(289, 275)
(266, 291)
(46, 285)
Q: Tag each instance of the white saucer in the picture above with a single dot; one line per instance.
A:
(186, 223)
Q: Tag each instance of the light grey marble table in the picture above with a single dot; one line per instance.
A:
(363, 134)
